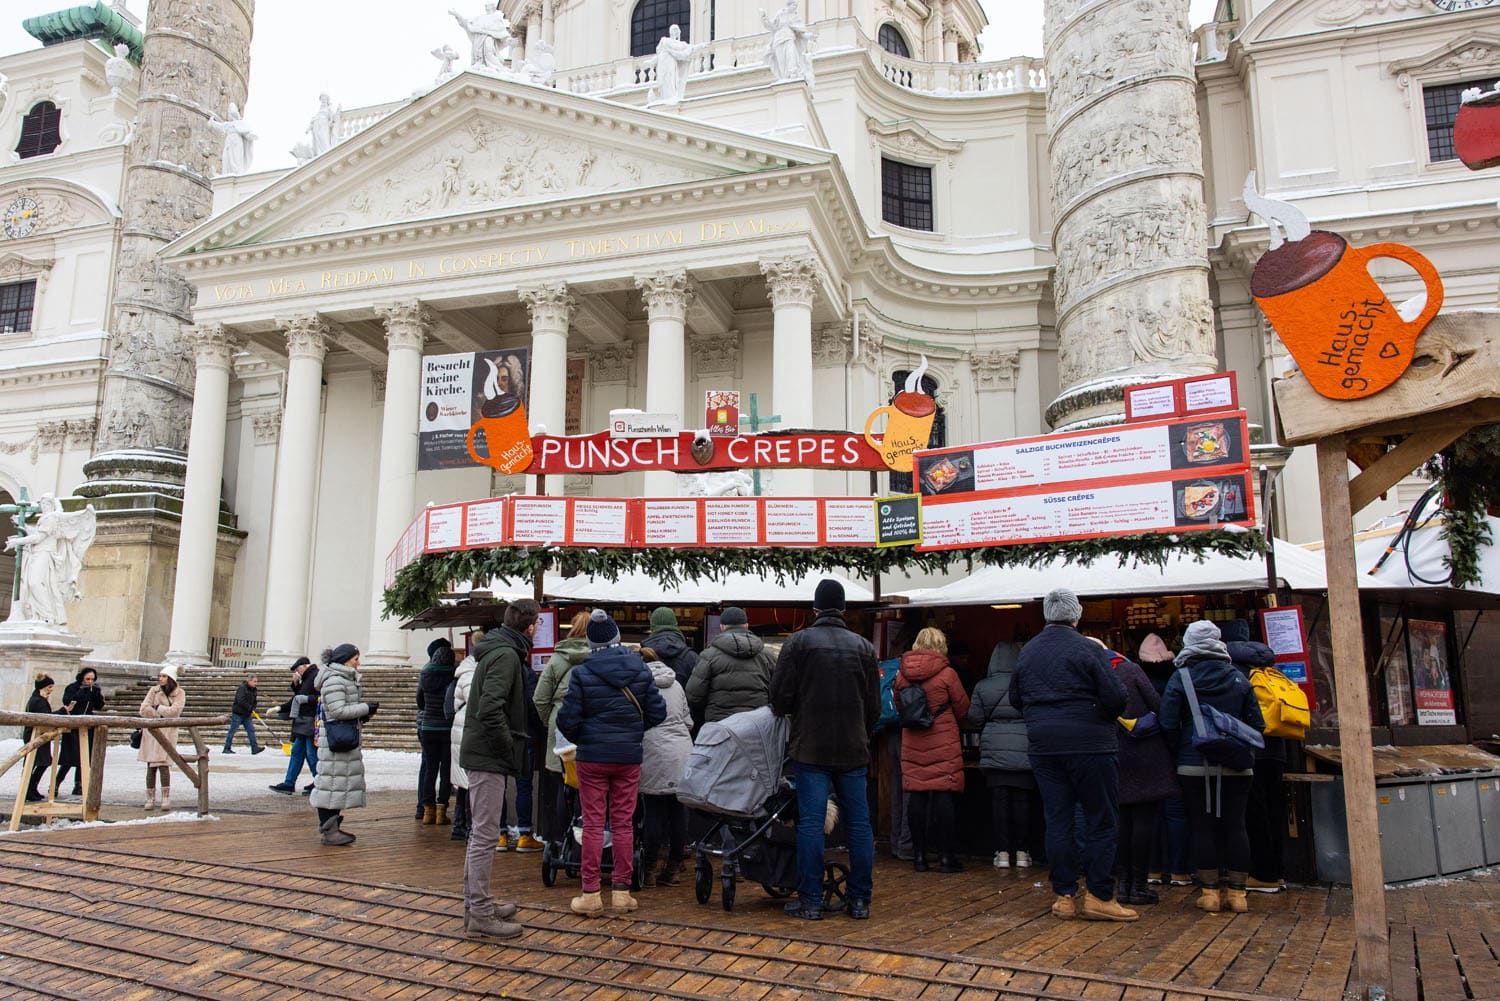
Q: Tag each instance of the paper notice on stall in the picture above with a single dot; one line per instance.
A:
(1283, 629)
(848, 522)
(669, 522)
(484, 523)
(1210, 393)
(731, 522)
(599, 523)
(445, 527)
(539, 520)
(791, 522)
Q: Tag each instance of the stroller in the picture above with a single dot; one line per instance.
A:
(735, 773)
(565, 854)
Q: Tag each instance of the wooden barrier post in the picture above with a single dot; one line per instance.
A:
(202, 770)
(93, 790)
(1372, 958)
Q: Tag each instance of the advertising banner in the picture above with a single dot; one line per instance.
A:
(594, 454)
(460, 391)
(1432, 683)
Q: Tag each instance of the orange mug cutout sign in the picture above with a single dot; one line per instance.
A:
(1345, 334)
(908, 426)
(506, 434)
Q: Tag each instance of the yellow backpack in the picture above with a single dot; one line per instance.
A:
(1282, 702)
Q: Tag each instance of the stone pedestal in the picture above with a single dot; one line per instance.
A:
(29, 648)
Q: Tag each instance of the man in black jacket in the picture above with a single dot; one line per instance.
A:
(1066, 690)
(239, 715)
(828, 682)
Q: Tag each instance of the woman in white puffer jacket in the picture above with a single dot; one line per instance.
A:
(463, 676)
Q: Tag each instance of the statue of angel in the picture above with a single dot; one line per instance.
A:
(51, 559)
(447, 56)
(118, 71)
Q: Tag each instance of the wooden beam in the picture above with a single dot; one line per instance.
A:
(1395, 465)
(93, 789)
(1372, 957)
(38, 738)
(202, 750)
(177, 758)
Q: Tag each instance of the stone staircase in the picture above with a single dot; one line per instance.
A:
(210, 691)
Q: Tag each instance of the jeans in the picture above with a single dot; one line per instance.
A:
(486, 795)
(523, 781)
(1265, 820)
(931, 816)
(608, 791)
(1069, 781)
(433, 785)
(1169, 853)
(235, 722)
(814, 784)
(303, 749)
(1216, 815)
(1010, 818)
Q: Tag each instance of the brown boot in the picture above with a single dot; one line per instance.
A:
(1064, 907)
(621, 902)
(670, 875)
(442, 815)
(1094, 909)
(1210, 900)
(1236, 902)
(429, 815)
(588, 904)
(492, 927)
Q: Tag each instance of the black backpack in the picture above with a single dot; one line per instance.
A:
(911, 706)
(448, 693)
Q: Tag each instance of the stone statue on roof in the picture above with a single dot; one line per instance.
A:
(239, 142)
(789, 53)
(490, 39)
(673, 64)
(324, 127)
(118, 70)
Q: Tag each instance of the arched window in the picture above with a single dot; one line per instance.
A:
(41, 130)
(891, 39)
(901, 482)
(651, 19)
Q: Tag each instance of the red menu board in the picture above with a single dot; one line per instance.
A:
(731, 522)
(445, 527)
(538, 520)
(664, 522)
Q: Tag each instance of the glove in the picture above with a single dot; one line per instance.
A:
(374, 706)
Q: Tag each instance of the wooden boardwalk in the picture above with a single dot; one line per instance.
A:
(252, 907)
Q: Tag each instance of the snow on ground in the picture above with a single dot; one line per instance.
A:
(232, 777)
(175, 817)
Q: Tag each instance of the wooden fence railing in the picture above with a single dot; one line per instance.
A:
(93, 735)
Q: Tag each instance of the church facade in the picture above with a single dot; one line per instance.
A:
(811, 240)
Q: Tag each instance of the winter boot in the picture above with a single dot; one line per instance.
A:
(621, 901)
(1065, 907)
(429, 815)
(332, 835)
(442, 815)
(1235, 901)
(1094, 909)
(590, 905)
(150, 803)
(1210, 900)
(492, 927)
(166, 800)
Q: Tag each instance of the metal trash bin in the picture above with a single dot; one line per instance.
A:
(1404, 808)
(1488, 793)
(1457, 828)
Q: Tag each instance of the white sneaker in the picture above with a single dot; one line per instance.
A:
(1023, 860)
(1002, 860)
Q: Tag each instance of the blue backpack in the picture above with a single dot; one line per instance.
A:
(1218, 736)
(890, 715)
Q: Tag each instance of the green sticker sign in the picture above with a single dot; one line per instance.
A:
(898, 520)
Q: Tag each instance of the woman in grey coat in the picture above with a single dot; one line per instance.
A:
(340, 783)
(1003, 759)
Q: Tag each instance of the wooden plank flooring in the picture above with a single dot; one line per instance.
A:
(252, 907)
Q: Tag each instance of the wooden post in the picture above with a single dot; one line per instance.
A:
(1372, 957)
(22, 784)
(93, 789)
(202, 770)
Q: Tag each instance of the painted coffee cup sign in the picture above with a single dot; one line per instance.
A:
(502, 418)
(1476, 128)
(1347, 337)
(908, 425)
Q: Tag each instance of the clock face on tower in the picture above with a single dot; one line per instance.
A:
(1457, 5)
(20, 217)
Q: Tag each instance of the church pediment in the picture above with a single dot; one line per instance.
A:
(479, 144)
(1290, 18)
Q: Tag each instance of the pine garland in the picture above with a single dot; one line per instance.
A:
(423, 583)
(1469, 472)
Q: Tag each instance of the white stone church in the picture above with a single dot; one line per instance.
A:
(803, 238)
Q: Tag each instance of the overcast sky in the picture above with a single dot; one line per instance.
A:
(372, 51)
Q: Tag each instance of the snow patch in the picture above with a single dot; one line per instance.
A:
(62, 823)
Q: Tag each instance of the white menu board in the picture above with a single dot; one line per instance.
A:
(599, 522)
(849, 522)
(669, 522)
(484, 523)
(445, 527)
(791, 522)
(731, 522)
(537, 520)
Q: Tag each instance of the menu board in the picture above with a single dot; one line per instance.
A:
(731, 522)
(484, 522)
(1085, 512)
(1195, 395)
(791, 522)
(669, 523)
(538, 520)
(445, 527)
(598, 523)
(848, 522)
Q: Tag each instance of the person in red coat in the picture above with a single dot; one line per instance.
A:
(932, 760)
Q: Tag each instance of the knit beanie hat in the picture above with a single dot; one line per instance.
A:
(662, 618)
(1062, 605)
(42, 681)
(829, 596)
(437, 645)
(1236, 631)
(1154, 650)
(602, 631)
(733, 616)
(344, 653)
(170, 670)
(1201, 639)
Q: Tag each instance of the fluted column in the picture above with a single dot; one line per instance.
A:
(406, 326)
(667, 294)
(551, 310)
(198, 542)
(792, 283)
(292, 513)
(1130, 230)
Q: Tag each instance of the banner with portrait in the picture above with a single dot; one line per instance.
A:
(457, 389)
(1431, 678)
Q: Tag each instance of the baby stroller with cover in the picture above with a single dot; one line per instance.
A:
(735, 773)
(565, 854)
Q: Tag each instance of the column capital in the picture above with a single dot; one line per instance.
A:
(791, 281)
(406, 324)
(667, 294)
(213, 344)
(549, 303)
(307, 337)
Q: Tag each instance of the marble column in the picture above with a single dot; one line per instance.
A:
(406, 326)
(292, 511)
(1130, 229)
(667, 294)
(792, 284)
(551, 309)
(198, 543)
(533, 30)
